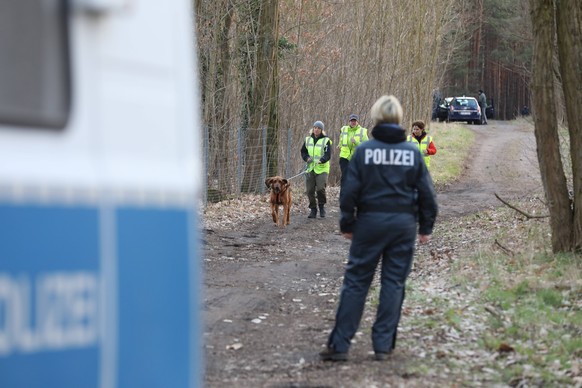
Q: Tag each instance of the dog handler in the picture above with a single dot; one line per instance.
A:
(388, 191)
(316, 151)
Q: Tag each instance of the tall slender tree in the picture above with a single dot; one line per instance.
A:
(569, 22)
(565, 216)
(263, 92)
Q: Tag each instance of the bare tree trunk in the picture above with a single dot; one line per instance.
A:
(569, 22)
(215, 64)
(269, 73)
(477, 61)
(263, 92)
(546, 125)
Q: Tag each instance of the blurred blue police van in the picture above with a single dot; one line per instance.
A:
(99, 183)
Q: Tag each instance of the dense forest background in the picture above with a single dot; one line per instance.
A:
(270, 68)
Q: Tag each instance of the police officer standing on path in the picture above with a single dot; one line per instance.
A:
(483, 106)
(388, 191)
(350, 137)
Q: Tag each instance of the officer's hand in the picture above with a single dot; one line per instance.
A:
(347, 236)
(424, 238)
(353, 140)
(309, 160)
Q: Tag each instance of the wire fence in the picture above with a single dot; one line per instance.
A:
(239, 161)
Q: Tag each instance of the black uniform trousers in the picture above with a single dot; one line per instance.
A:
(389, 237)
(344, 163)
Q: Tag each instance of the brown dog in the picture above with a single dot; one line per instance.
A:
(280, 195)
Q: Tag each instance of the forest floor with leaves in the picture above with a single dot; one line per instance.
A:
(271, 293)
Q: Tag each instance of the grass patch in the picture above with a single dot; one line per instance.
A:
(490, 295)
(538, 313)
(518, 312)
(453, 142)
(417, 370)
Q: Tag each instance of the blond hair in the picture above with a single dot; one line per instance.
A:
(386, 109)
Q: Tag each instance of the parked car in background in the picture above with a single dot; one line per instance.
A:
(465, 109)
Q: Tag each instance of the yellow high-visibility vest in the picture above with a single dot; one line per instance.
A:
(316, 150)
(347, 148)
(422, 146)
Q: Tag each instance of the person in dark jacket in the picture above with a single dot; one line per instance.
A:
(316, 152)
(483, 105)
(388, 192)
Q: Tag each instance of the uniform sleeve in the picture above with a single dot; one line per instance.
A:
(365, 137)
(350, 192)
(431, 149)
(339, 142)
(326, 152)
(427, 205)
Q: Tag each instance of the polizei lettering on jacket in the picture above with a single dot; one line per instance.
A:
(394, 157)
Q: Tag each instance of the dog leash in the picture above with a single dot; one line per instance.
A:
(301, 173)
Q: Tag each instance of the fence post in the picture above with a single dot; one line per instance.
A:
(206, 157)
(288, 158)
(264, 164)
(240, 156)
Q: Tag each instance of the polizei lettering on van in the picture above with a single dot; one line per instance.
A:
(57, 311)
(395, 157)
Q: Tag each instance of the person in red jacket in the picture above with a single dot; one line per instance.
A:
(423, 141)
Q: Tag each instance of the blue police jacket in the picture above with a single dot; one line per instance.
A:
(387, 174)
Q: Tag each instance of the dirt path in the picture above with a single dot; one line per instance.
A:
(504, 162)
(271, 293)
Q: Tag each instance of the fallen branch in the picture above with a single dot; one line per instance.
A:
(506, 250)
(493, 312)
(518, 210)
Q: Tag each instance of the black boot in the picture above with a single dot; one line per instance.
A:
(321, 211)
(313, 213)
